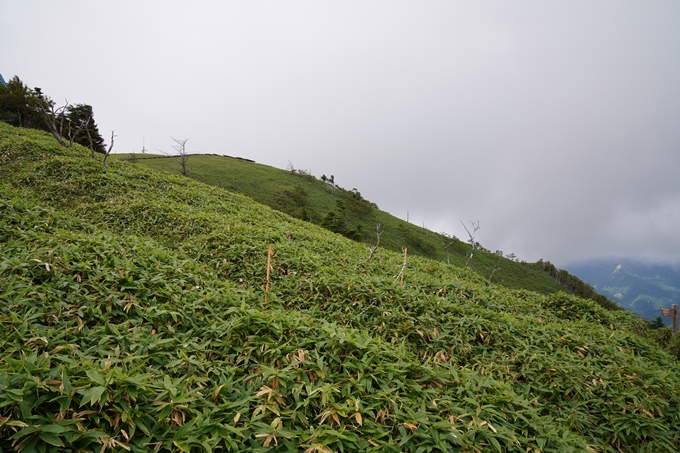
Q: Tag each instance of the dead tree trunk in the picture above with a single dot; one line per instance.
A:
(473, 243)
(54, 119)
(181, 148)
(106, 154)
(497, 266)
(378, 232)
(448, 243)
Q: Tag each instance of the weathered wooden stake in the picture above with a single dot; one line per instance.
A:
(269, 265)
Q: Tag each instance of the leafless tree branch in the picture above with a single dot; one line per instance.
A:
(447, 243)
(106, 154)
(181, 148)
(54, 118)
(72, 133)
(89, 137)
(473, 243)
(497, 266)
(378, 232)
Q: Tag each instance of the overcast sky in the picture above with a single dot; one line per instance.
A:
(555, 124)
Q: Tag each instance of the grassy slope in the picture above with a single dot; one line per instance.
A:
(268, 185)
(132, 314)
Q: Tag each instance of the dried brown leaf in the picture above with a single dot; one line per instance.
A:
(216, 392)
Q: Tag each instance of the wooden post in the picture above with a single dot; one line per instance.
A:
(672, 313)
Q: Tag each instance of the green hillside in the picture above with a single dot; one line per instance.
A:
(308, 198)
(133, 313)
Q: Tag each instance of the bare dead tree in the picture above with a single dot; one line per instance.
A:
(55, 117)
(448, 243)
(400, 275)
(89, 137)
(497, 265)
(378, 232)
(51, 115)
(181, 148)
(291, 168)
(108, 151)
(473, 243)
(72, 133)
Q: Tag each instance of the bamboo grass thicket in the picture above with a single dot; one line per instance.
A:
(131, 300)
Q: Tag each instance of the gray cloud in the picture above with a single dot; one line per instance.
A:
(554, 124)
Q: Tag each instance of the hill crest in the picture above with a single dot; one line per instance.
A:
(298, 193)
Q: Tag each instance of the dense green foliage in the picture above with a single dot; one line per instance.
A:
(80, 119)
(19, 105)
(25, 107)
(346, 212)
(674, 344)
(131, 306)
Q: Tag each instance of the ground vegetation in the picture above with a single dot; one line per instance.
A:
(133, 316)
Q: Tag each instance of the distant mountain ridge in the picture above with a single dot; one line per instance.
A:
(637, 285)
